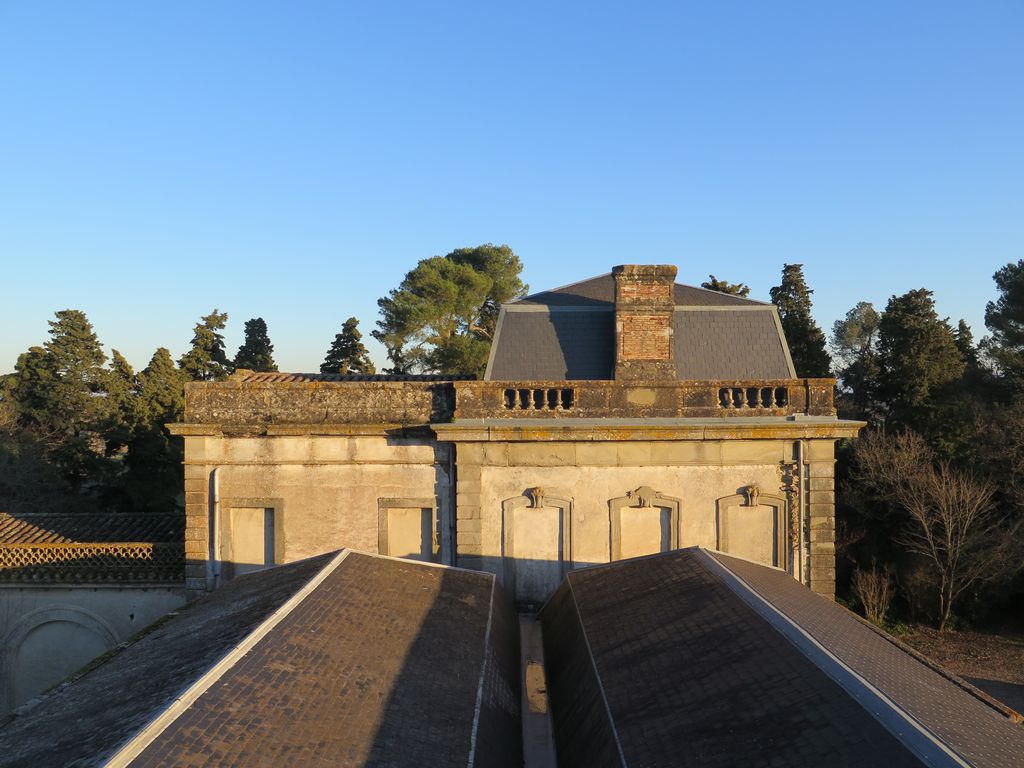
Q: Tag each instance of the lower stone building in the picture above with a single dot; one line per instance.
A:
(73, 586)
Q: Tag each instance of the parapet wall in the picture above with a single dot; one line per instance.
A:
(250, 404)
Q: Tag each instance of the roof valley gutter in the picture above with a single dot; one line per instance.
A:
(597, 674)
(910, 732)
(483, 676)
(137, 744)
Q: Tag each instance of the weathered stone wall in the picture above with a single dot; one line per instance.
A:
(48, 633)
(325, 489)
(705, 477)
(237, 402)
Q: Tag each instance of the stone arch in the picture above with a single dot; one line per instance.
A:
(516, 561)
(643, 497)
(30, 622)
(730, 536)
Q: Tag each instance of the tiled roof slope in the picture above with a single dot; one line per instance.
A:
(63, 529)
(959, 715)
(546, 346)
(728, 345)
(600, 292)
(278, 377)
(84, 722)
(580, 345)
(376, 662)
(663, 661)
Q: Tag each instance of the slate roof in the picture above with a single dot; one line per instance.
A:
(68, 528)
(370, 661)
(600, 292)
(569, 334)
(83, 723)
(729, 345)
(580, 345)
(699, 659)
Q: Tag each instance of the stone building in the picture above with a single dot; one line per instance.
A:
(620, 416)
(73, 586)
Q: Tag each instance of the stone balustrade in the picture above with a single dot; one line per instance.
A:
(611, 399)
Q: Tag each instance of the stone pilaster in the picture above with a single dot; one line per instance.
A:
(644, 304)
(468, 548)
(821, 506)
(197, 524)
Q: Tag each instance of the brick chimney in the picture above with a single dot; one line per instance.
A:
(644, 302)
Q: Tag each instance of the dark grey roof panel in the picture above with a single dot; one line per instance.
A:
(657, 657)
(378, 666)
(600, 292)
(84, 723)
(718, 344)
(555, 346)
(951, 710)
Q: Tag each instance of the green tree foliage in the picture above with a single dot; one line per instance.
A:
(806, 340)
(1004, 318)
(122, 386)
(735, 289)
(442, 317)
(206, 360)
(61, 393)
(347, 353)
(154, 481)
(854, 344)
(256, 352)
(918, 358)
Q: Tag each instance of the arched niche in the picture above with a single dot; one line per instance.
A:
(46, 646)
(643, 522)
(754, 526)
(536, 544)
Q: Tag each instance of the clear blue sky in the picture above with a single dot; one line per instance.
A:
(293, 160)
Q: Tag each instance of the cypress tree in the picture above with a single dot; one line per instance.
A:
(806, 340)
(154, 479)
(206, 360)
(256, 352)
(347, 353)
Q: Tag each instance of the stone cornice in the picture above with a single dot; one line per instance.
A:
(592, 430)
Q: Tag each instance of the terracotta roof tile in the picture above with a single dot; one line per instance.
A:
(90, 528)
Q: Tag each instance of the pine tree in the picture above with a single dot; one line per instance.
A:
(443, 315)
(855, 343)
(61, 392)
(207, 360)
(917, 355)
(1004, 317)
(722, 286)
(806, 340)
(347, 353)
(256, 352)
